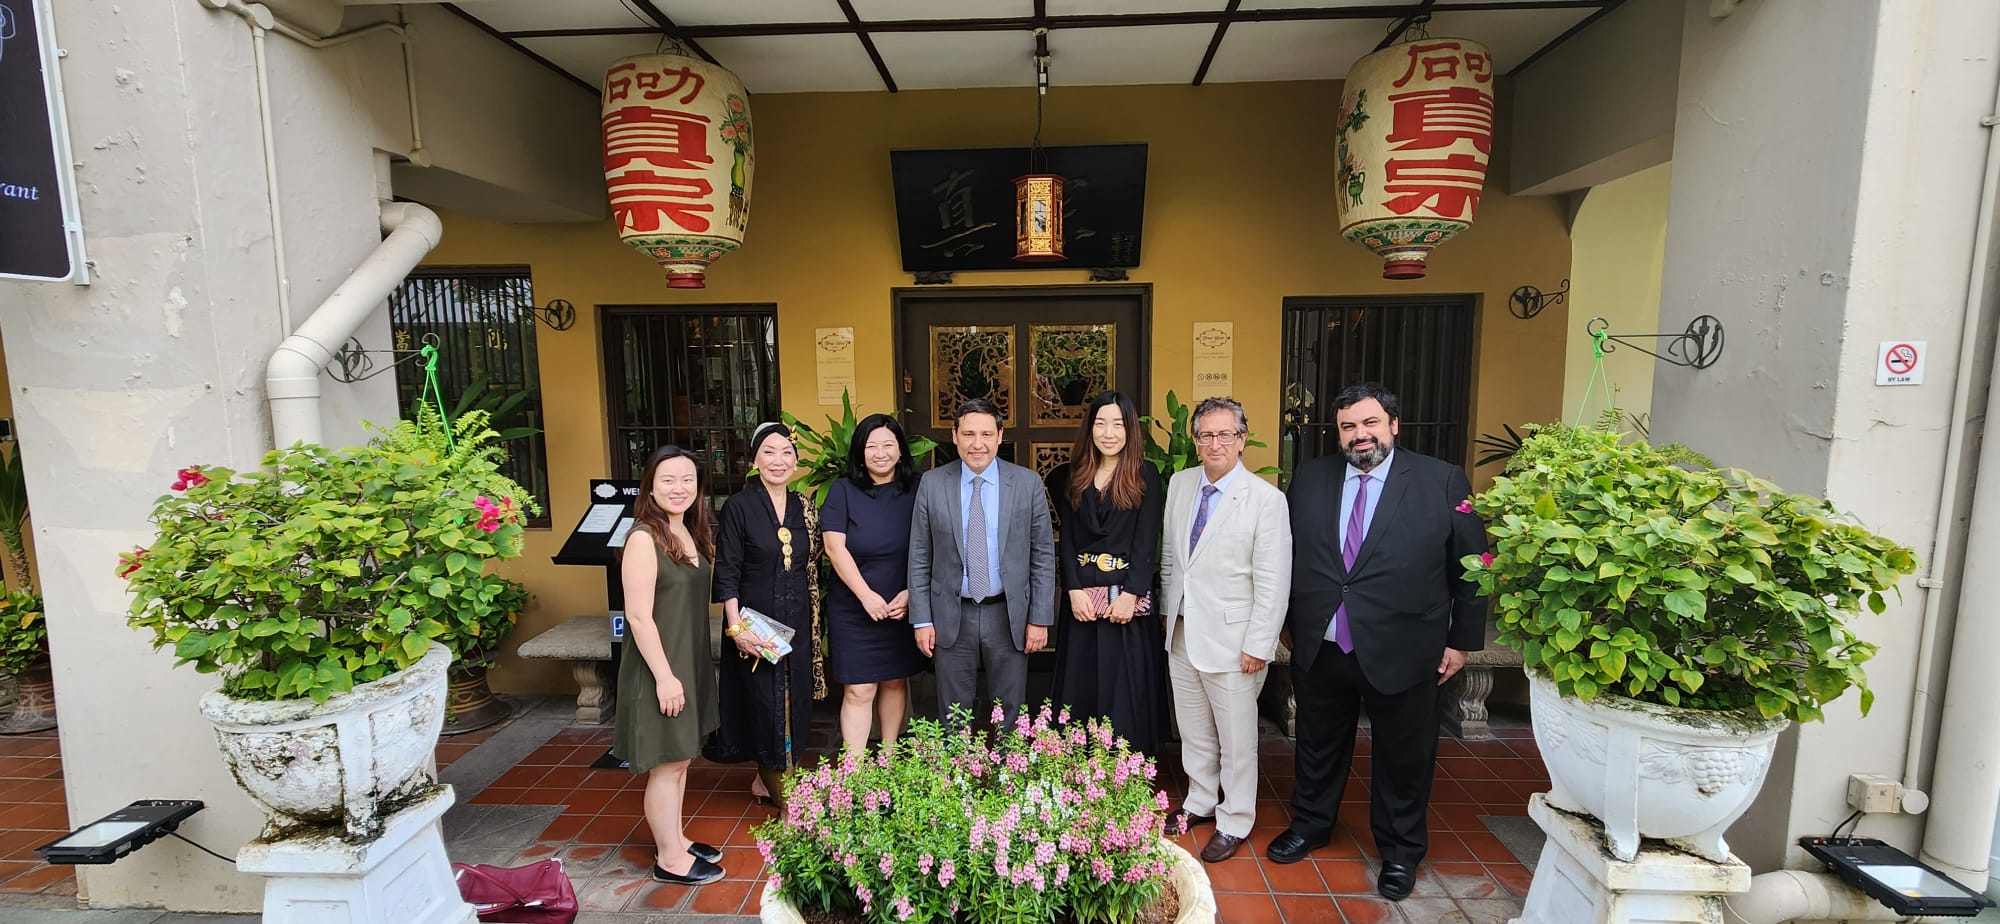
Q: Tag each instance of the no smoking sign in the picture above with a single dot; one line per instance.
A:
(1901, 362)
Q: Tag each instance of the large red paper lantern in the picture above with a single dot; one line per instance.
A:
(1415, 132)
(677, 160)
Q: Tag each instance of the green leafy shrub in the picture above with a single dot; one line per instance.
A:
(24, 634)
(823, 453)
(1180, 451)
(326, 568)
(1616, 570)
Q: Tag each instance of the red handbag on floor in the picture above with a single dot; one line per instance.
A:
(539, 893)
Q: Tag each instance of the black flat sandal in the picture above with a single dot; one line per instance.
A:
(701, 851)
(700, 871)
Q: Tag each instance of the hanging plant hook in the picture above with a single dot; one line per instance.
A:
(1528, 301)
(353, 363)
(558, 314)
(1698, 347)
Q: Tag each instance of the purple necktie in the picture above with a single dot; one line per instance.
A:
(1201, 515)
(1350, 547)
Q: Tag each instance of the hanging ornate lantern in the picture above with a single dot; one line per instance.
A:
(677, 159)
(1038, 223)
(1416, 128)
(1038, 197)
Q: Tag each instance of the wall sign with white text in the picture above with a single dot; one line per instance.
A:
(34, 225)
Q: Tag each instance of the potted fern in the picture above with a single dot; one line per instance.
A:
(1673, 618)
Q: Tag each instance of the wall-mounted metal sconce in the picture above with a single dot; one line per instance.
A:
(353, 364)
(558, 314)
(1110, 274)
(933, 278)
(1528, 301)
(1697, 347)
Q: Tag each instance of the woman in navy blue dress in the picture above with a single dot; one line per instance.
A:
(866, 524)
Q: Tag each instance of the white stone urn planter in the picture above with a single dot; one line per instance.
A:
(1678, 775)
(345, 764)
(1189, 880)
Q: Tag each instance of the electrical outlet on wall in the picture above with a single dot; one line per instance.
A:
(1873, 793)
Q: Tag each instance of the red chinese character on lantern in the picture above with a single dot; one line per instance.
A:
(1448, 187)
(1441, 61)
(1423, 119)
(668, 138)
(650, 84)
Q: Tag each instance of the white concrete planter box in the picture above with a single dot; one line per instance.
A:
(1189, 880)
(337, 764)
(1679, 775)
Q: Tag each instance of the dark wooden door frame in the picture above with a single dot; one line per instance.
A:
(902, 297)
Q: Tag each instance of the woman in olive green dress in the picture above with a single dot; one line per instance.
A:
(666, 681)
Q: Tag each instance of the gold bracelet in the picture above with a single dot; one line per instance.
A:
(737, 629)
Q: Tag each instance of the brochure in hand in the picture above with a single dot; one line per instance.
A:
(768, 629)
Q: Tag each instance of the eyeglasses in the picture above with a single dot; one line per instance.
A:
(1217, 439)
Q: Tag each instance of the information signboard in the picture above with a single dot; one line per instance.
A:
(35, 222)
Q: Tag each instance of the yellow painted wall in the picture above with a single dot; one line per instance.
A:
(1618, 244)
(1239, 215)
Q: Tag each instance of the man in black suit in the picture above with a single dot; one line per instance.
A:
(1380, 616)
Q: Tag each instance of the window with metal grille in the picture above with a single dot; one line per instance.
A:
(698, 377)
(1421, 348)
(482, 321)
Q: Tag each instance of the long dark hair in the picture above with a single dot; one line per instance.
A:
(1126, 490)
(648, 514)
(857, 458)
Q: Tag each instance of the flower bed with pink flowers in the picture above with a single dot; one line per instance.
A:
(1046, 820)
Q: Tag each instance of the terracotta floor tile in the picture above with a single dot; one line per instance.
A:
(497, 795)
(1452, 747)
(1513, 731)
(1490, 747)
(588, 801)
(724, 804)
(1464, 880)
(1457, 816)
(1346, 877)
(1523, 789)
(1360, 910)
(1525, 747)
(1426, 911)
(742, 863)
(710, 830)
(1300, 878)
(37, 879)
(630, 802)
(603, 893)
(723, 897)
(1448, 791)
(1494, 792)
(548, 755)
(1241, 874)
(1464, 768)
(564, 828)
(661, 896)
(1246, 908)
(628, 861)
(11, 868)
(1446, 847)
(1515, 768)
(1489, 910)
(1309, 909)
(544, 795)
(582, 861)
(564, 778)
(611, 780)
(1513, 877)
(607, 829)
(573, 736)
(743, 835)
(521, 777)
(1486, 847)
(1343, 846)
(44, 818)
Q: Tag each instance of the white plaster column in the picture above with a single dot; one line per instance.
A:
(1826, 170)
(158, 364)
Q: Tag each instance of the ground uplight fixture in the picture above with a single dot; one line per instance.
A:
(109, 839)
(1899, 881)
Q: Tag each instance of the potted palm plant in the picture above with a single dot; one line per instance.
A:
(1673, 619)
(313, 588)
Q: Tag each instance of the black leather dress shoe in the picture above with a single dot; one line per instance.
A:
(1290, 846)
(1395, 881)
(1220, 847)
(699, 871)
(701, 851)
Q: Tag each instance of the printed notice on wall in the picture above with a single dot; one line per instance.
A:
(833, 349)
(34, 237)
(1214, 356)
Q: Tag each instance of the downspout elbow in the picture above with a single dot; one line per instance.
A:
(291, 378)
(1797, 895)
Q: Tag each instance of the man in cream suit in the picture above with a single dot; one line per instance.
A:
(1225, 574)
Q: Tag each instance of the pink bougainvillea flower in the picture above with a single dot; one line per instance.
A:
(1464, 506)
(1486, 559)
(130, 561)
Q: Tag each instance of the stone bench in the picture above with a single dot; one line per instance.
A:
(585, 642)
(1465, 696)
(1463, 700)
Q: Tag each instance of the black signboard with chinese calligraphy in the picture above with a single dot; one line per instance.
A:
(34, 239)
(955, 207)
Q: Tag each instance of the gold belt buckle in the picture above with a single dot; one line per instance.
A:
(1102, 561)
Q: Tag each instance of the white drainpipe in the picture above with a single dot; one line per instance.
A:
(1796, 895)
(292, 377)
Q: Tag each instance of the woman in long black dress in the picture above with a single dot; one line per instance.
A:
(665, 682)
(866, 524)
(1110, 659)
(765, 560)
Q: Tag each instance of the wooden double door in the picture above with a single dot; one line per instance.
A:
(1039, 354)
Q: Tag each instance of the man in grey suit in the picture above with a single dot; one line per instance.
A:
(982, 567)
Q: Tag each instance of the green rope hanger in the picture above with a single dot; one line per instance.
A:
(435, 396)
(1597, 375)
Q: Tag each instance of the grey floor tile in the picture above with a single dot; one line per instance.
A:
(1522, 837)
